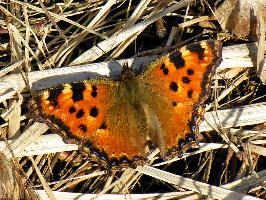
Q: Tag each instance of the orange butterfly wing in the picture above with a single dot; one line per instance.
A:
(177, 86)
(115, 121)
(91, 114)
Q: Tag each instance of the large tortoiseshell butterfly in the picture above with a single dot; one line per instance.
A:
(120, 121)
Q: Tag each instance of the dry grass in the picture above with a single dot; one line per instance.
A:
(38, 39)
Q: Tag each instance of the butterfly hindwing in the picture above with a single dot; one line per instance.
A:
(177, 86)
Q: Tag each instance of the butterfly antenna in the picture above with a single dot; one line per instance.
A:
(123, 66)
(109, 56)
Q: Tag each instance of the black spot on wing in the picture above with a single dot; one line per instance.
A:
(94, 112)
(103, 126)
(77, 90)
(186, 80)
(94, 87)
(53, 95)
(196, 48)
(164, 69)
(94, 91)
(190, 93)
(162, 66)
(94, 94)
(80, 113)
(174, 103)
(173, 86)
(177, 59)
(72, 109)
(190, 72)
(83, 128)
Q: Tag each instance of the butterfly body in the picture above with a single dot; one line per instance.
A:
(120, 122)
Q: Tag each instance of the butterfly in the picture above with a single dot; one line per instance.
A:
(119, 122)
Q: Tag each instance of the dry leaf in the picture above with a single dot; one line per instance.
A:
(240, 17)
(246, 19)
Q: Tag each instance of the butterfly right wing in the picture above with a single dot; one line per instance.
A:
(94, 115)
(176, 87)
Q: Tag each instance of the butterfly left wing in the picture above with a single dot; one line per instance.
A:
(176, 87)
(94, 115)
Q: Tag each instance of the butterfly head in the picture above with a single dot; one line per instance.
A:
(127, 72)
